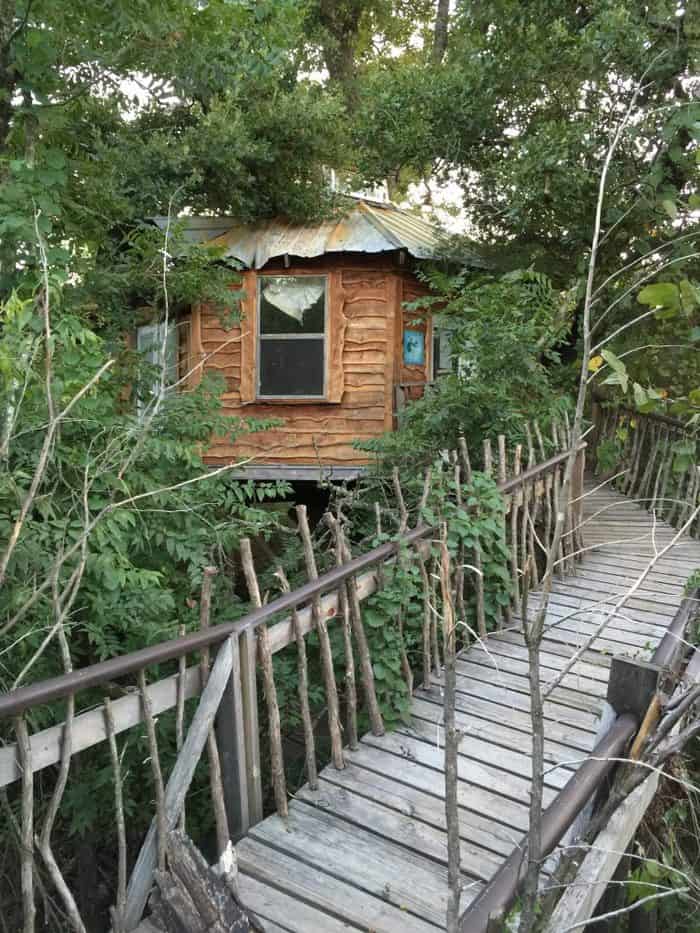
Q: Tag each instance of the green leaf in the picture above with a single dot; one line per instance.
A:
(617, 379)
(640, 396)
(613, 362)
(670, 208)
(694, 397)
(660, 295)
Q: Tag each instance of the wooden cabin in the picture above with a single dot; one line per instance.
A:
(325, 343)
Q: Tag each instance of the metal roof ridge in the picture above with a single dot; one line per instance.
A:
(378, 225)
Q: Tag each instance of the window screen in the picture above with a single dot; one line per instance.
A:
(291, 335)
(158, 344)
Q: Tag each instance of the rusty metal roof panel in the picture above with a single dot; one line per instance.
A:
(409, 231)
(366, 228)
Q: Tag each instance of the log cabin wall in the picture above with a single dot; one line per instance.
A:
(364, 353)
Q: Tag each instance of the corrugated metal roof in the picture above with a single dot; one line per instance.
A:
(367, 227)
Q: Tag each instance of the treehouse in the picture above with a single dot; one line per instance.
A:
(325, 343)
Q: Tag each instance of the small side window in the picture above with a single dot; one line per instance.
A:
(443, 359)
(158, 345)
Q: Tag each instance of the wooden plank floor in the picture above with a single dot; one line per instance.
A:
(368, 849)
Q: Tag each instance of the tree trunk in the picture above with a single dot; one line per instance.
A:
(440, 36)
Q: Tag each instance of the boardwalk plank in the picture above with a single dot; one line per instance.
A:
(348, 853)
(494, 787)
(513, 673)
(484, 752)
(494, 711)
(422, 838)
(283, 889)
(496, 809)
(498, 733)
(415, 803)
(513, 700)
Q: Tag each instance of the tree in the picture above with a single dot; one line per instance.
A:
(112, 113)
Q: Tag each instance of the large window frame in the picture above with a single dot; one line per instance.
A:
(260, 337)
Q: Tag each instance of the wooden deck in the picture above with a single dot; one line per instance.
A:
(367, 850)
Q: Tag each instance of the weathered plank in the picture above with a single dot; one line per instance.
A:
(89, 728)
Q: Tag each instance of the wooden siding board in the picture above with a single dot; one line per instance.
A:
(248, 355)
(363, 319)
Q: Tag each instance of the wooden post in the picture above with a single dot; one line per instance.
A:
(514, 537)
(577, 488)
(302, 689)
(215, 777)
(488, 457)
(231, 738)
(366, 672)
(24, 751)
(452, 739)
(401, 564)
(478, 576)
(325, 645)
(251, 730)
(279, 782)
(178, 784)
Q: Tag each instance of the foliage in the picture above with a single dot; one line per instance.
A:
(506, 332)
(143, 559)
(479, 521)
(654, 365)
(110, 115)
(666, 849)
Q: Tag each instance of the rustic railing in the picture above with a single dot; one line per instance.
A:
(225, 722)
(656, 458)
(644, 449)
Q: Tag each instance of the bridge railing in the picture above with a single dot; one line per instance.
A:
(655, 459)
(224, 729)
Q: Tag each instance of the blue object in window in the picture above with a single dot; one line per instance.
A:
(414, 347)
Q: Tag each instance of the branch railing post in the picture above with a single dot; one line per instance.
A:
(230, 725)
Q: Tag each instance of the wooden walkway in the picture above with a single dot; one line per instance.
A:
(368, 849)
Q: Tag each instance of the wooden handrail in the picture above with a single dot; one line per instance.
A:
(499, 894)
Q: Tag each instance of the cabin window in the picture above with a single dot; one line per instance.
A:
(443, 358)
(292, 336)
(158, 345)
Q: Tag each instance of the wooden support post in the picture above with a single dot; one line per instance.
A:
(514, 537)
(273, 714)
(577, 492)
(452, 739)
(478, 575)
(231, 738)
(366, 672)
(401, 563)
(302, 689)
(325, 645)
(632, 685)
(251, 729)
(27, 837)
(215, 777)
(488, 457)
(247, 657)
